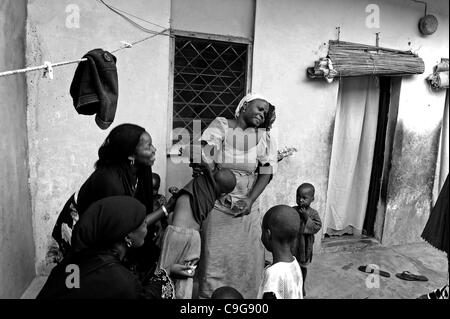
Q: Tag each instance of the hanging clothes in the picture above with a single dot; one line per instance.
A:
(95, 87)
(352, 155)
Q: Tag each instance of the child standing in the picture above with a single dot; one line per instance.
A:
(282, 279)
(181, 244)
(310, 224)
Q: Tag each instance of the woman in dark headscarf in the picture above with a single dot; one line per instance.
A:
(123, 168)
(108, 229)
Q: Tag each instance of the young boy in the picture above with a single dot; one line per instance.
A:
(181, 245)
(283, 279)
(310, 224)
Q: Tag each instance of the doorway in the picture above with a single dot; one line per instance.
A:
(360, 160)
(387, 119)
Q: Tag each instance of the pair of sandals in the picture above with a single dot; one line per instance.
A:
(406, 275)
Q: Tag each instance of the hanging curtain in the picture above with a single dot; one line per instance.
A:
(352, 155)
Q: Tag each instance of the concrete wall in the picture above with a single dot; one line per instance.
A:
(289, 36)
(63, 144)
(16, 232)
(229, 17)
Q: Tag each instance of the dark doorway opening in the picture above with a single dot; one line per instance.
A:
(387, 119)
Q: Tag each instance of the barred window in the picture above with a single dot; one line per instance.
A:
(209, 80)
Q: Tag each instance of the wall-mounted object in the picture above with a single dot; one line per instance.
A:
(347, 59)
(439, 79)
(428, 24)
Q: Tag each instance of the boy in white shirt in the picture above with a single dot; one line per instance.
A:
(283, 279)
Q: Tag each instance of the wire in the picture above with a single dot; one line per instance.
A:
(130, 14)
(422, 2)
(117, 11)
(45, 66)
(141, 40)
(134, 23)
(40, 67)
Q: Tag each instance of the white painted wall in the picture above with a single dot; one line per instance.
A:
(63, 144)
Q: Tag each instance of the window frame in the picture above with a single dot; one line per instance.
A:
(203, 36)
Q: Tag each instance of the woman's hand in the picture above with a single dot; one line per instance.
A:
(199, 168)
(243, 206)
(269, 118)
(173, 190)
(181, 271)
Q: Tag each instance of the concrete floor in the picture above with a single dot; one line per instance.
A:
(334, 272)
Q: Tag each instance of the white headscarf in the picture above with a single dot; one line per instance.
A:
(249, 97)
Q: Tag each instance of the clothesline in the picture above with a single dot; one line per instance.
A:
(48, 66)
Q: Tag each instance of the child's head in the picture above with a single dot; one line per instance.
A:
(280, 224)
(226, 292)
(156, 180)
(225, 180)
(305, 195)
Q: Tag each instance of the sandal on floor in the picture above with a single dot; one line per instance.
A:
(369, 269)
(406, 275)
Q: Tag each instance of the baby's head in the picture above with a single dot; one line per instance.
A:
(305, 195)
(280, 224)
(225, 180)
(226, 292)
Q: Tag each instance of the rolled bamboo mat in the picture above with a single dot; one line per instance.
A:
(347, 59)
(352, 59)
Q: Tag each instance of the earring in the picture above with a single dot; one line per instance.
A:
(132, 162)
(128, 243)
(245, 107)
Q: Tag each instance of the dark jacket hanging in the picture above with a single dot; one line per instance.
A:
(95, 88)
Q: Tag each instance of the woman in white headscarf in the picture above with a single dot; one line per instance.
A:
(232, 251)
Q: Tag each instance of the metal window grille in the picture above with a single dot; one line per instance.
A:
(209, 80)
